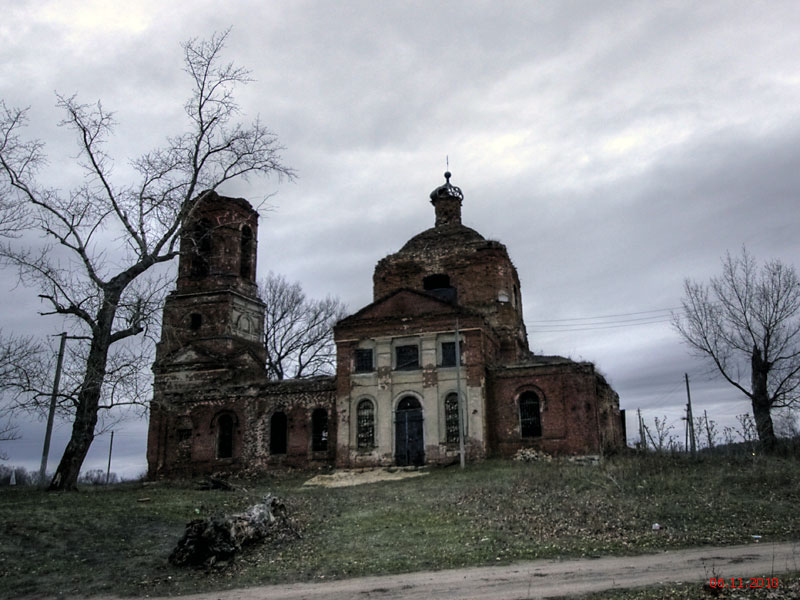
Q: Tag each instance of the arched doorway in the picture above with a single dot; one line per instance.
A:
(225, 436)
(278, 433)
(409, 443)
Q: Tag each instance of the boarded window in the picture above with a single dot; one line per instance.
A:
(246, 253)
(529, 415)
(319, 430)
(451, 418)
(366, 424)
(364, 362)
(278, 433)
(407, 357)
(224, 436)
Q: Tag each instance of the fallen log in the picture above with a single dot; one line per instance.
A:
(209, 541)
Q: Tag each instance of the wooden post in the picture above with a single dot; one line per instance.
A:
(110, 446)
(689, 417)
(642, 438)
(49, 431)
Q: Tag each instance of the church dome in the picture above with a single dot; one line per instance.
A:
(444, 236)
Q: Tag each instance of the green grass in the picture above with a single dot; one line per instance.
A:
(105, 540)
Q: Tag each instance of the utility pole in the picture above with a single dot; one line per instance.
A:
(110, 446)
(460, 401)
(49, 431)
(642, 438)
(690, 418)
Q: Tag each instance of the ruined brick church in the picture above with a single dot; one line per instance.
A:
(394, 399)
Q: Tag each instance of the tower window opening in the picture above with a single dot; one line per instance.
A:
(195, 321)
(438, 285)
(201, 248)
(246, 252)
(435, 282)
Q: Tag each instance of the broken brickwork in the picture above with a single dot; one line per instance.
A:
(395, 396)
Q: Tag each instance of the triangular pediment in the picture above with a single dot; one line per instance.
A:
(403, 303)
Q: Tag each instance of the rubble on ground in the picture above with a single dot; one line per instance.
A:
(533, 455)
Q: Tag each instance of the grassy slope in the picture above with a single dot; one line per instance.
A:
(106, 540)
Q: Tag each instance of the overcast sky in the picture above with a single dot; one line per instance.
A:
(615, 148)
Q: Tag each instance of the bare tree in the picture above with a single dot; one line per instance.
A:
(298, 331)
(110, 296)
(747, 323)
(664, 439)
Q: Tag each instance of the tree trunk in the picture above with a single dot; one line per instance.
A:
(66, 477)
(761, 401)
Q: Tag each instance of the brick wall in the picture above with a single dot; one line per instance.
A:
(579, 411)
(171, 453)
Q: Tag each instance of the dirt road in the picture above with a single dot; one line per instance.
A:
(542, 578)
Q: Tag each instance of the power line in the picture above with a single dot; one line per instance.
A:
(630, 314)
(599, 326)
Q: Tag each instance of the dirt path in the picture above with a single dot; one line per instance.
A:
(542, 578)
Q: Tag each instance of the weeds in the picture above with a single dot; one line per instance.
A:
(117, 539)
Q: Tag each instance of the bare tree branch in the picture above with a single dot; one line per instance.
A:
(747, 323)
(106, 237)
(298, 331)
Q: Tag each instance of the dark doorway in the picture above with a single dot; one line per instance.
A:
(529, 416)
(319, 430)
(409, 443)
(224, 436)
(278, 433)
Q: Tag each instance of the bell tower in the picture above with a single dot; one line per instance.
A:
(215, 309)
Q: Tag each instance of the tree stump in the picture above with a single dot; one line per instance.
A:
(211, 540)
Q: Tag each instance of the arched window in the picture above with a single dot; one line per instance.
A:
(278, 433)
(246, 252)
(451, 418)
(319, 430)
(366, 424)
(529, 415)
(201, 248)
(224, 436)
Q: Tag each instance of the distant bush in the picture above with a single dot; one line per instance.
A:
(97, 477)
(21, 476)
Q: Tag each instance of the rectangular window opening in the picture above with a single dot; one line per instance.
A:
(364, 362)
(407, 357)
(448, 354)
